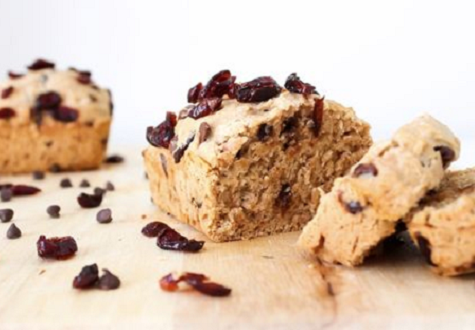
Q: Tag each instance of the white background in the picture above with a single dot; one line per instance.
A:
(390, 60)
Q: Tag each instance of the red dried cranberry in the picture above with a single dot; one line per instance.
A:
(153, 229)
(24, 190)
(318, 115)
(59, 248)
(365, 168)
(66, 114)
(180, 152)
(258, 90)
(84, 77)
(161, 135)
(205, 108)
(13, 75)
(198, 282)
(170, 239)
(194, 92)
(89, 201)
(87, 278)
(295, 85)
(7, 113)
(7, 92)
(48, 101)
(219, 85)
(447, 154)
(40, 64)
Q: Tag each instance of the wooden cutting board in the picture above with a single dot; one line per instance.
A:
(274, 286)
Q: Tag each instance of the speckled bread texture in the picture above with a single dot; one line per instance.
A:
(443, 226)
(237, 185)
(364, 207)
(28, 144)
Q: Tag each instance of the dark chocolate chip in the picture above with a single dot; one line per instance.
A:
(285, 196)
(84, 183)
(447, 154)
(114, 159)
(108, 281)
(6, 194)
(13, 232)
(104, 216)
(38, 175)
(55, 168)
(365, 168)
(353, 207)
(318, 115)
(53, 211)
(87, 278)
(65, 183)
(40, 64)
(289, 125)
(204, 132)
(264, 132)
(164, 163)
(180, 151)
(89, 201)
(99, 191)
(6, 215)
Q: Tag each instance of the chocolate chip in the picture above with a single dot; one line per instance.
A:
(6, 194)
(365, 168)
(285, 196)
(13, 232)
(318, 115)
(204, 132)
(6, 215)
(55, 168)
(53, 211)
(7, 92)
(65, 183)
(353, 207)
(108, 281)
(264, 132)
(40, 64)
(99, 191)
(84, 183)
(447, 154)
(114, 159)
(104, 216)
(424, 247)
(180, 151)
(89, 201)
(38, 175)
(87, 278)
(110, 186)
(289, 125)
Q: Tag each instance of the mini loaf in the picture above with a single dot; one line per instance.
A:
(52, 119)
(365, 206)
(249, 160)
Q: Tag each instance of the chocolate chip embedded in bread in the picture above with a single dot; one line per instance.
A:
(424, 247)
(366, 169)
(264, 131)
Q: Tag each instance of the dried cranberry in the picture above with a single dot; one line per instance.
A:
(180, 152)
(153, 229)
(258, 90)
(23, 190)
(161, 135)
(204, 132)
(447, 154)
(264, 132)
(7, 113)
(84, 77)
(59, 248)
(66, 114)
(89, 201)
(318, 115)
(295, 85)
(205, 108)
(198, 282)
(6, 92)
(13, 75)
(365, 168)
(40, 64)
(219, 85)
(170, 239)
(48, 101)
(108, 281)
(194, 92)
(87, 278)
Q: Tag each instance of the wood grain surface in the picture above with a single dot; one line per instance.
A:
(274, 285)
